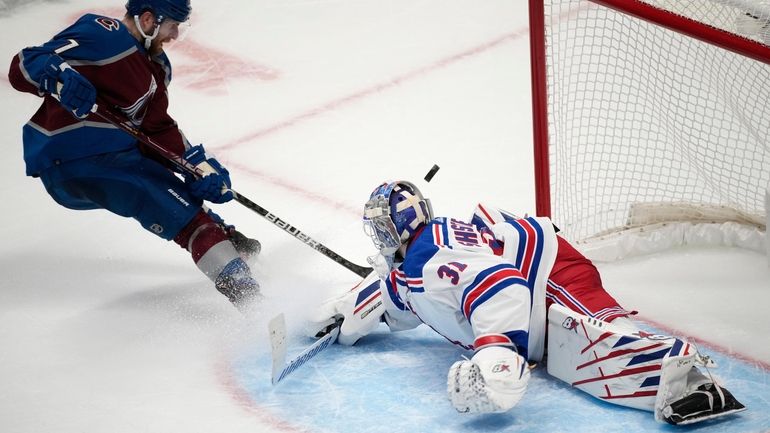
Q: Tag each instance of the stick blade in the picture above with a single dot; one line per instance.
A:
(277, 331)
(319, 346)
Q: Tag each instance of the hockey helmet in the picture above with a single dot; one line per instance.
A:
(177, 10)
(393, 214)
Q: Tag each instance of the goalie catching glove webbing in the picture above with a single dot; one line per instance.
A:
(494, 380)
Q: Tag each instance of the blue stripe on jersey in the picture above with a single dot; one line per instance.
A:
(525, 240)
(421, 250)
(445, 232)
(488, 292)
(508, 282)
(557, 288)
(521, 341)
(480, 277)
(393, 293)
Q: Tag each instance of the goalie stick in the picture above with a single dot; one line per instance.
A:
(277, 329)
(122, 123)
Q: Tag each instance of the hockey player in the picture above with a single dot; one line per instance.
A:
(494, 285)
(86, 163)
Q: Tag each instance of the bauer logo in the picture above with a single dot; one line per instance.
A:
(178, 197)
(288, 228)
(372, 308)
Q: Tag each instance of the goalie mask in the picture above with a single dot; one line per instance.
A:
(393, 214)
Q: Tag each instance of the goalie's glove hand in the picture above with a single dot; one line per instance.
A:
(73, 90)
(494, 380)
(214, 185)
(360, 310)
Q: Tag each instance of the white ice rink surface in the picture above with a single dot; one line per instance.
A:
(105, 328)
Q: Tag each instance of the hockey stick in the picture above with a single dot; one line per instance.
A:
(124, 124)
(277, 330)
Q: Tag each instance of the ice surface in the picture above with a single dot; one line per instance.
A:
(311, 104)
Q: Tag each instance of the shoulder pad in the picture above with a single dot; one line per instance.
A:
(98, 38)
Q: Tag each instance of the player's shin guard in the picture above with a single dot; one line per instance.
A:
(216, 256)
(634, 369)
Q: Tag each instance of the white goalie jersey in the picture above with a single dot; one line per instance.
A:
(484, 284)
(476, 283)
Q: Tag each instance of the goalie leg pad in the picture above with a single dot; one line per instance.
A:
(609, 362)
(361, 309)
(634, 368)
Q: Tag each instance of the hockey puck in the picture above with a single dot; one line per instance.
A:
(431, 173)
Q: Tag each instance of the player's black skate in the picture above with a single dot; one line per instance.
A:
(246, 246)
(706, 402)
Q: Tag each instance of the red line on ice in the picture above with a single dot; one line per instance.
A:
(321, 199)
(209, 67)
(225, 373)
(377, 88)
(718, 347)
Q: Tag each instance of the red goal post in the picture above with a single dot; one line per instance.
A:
(652, 114)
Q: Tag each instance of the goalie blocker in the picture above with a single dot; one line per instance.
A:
(630, 367)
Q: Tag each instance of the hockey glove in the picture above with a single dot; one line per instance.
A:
(361, 310)
(75, 92)
(214, 185)
(494, 380)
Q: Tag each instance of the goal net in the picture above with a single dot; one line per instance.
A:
(651, 113)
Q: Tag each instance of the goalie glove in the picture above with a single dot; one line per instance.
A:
(494, 380)
(360, 309)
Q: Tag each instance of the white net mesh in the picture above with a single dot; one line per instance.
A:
(642, 114)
